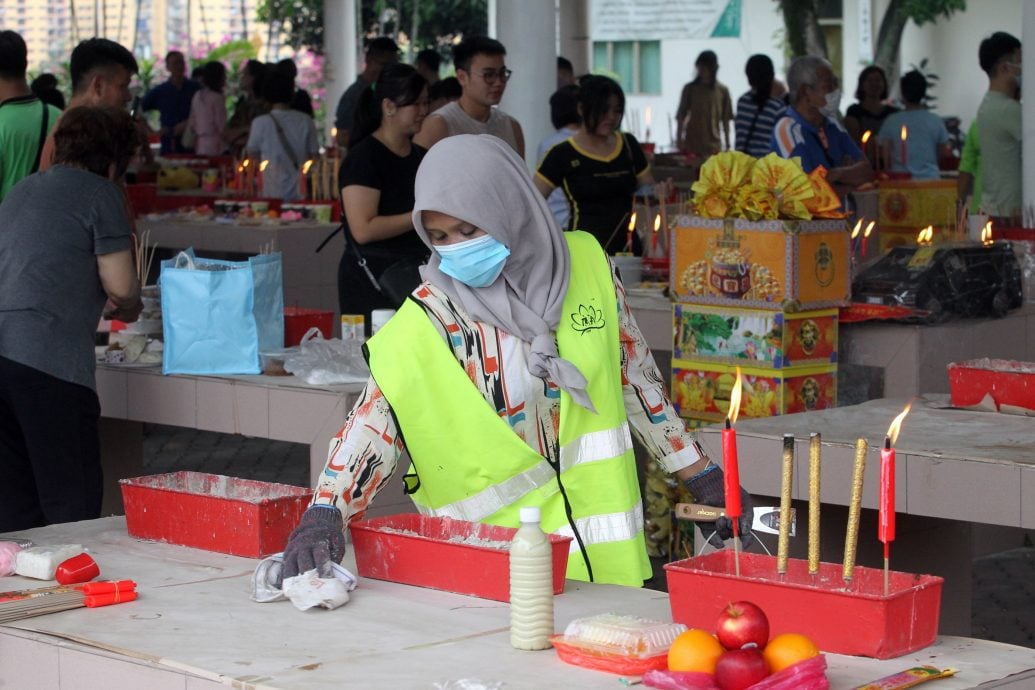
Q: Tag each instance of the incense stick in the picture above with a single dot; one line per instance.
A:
(814, 451)
(854, 509)
(787, 477)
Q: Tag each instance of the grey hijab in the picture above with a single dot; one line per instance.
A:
(481, 180)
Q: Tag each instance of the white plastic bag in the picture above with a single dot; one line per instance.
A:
(321, 361)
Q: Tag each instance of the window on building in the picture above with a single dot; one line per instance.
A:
(636, 64)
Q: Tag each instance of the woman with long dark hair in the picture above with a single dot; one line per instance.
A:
(208, 111)
(757, 110)
(599, 167)
(872, 108)
(382, 251)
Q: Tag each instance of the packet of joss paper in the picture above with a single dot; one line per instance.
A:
(908, 678)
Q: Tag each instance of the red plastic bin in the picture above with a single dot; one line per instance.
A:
(856, 619)
(1008, 382)
(442, 553)
(242, 517)
(297, 321)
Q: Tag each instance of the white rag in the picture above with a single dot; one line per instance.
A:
(305, 591)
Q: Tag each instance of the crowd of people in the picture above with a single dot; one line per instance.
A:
(512, 333)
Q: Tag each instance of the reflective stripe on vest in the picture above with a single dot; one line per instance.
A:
(473, 466)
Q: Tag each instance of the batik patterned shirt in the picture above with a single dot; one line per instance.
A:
(364, 454)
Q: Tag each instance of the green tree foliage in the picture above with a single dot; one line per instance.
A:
(300, 21)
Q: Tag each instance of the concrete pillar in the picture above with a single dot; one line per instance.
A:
(1028, 107)
(529, 32)
(341, 53)
(573, 40)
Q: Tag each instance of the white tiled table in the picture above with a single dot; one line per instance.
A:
(193, 628)
(965, 484)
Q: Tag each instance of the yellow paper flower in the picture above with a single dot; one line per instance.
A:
(756, 203)
(824, 202)
(721, 176)
(716, 205)
(785, 180)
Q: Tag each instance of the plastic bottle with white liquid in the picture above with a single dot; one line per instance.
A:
(531, 585)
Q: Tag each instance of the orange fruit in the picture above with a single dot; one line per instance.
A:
(694, 650)
(788, 649)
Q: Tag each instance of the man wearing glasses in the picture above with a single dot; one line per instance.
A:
(480, 68)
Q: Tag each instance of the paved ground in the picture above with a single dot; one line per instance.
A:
(1004, 583)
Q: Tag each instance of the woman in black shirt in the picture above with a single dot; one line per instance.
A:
(599, 167)
(377, 178)
(869, 113)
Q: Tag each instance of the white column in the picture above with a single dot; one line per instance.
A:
(528, 30)
(573, 24)
(340, 51)
(1028, 107)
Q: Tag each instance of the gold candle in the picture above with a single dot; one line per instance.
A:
(787, 476)
(814, 448)
(854, 508)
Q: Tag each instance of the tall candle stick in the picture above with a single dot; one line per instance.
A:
(631, 230)
(854, 509)
(731, 468)
(654, 235)
(886, 518)
(303, 179)
(786, 479)
(905, 153)
(262, 170)
(814, 493)
(866, 237)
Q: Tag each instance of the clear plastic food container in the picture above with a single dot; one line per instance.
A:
(629, 636)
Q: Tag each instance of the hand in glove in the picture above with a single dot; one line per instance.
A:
(316, 542)
(708, 488)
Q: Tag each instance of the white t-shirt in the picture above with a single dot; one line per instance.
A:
(280, 180)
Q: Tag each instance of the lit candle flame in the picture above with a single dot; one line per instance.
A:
(334, 132)
(262, 165)
(905, 133)
(647, 117)
(856, 229)
(896, 424)
(869, 228)
(308, 164)
(986, 234)
(632, 222)
(735, 400)
(657, 223)
(925, 236)
(866, 137)
(245, 163)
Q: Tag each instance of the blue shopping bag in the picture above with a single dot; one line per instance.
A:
(217, 316)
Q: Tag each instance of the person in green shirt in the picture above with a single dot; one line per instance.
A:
(24, 119)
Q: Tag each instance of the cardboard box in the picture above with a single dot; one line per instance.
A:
(857, 619)
(915, 204)
(242, 517)
(701, 390)
(442, 553)
(754, 337)
(777, 264)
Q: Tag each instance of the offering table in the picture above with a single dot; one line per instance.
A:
(966, 485)
(194, 628)
(310, 278)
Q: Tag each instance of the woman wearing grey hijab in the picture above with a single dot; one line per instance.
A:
(512, 375)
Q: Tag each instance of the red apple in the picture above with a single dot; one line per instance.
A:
(740, 668)
(742, 623)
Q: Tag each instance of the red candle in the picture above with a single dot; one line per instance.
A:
(886, 526)
(730, 465)
(905, 155)
(303, 179)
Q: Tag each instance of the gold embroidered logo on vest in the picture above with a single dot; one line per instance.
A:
(587, 318)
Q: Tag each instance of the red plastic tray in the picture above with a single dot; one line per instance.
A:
(857, 620)
(442, 553)
(297, 321)
(242, 517)
(1008, 382)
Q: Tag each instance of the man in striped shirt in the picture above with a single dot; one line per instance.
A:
(810, 132)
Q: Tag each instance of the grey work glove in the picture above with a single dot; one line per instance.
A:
(708, 488)
(315, 543)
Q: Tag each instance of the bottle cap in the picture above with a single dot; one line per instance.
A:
(530, 514)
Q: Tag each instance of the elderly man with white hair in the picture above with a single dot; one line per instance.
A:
(810, 130)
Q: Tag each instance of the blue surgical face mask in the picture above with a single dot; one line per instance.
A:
(475, 263)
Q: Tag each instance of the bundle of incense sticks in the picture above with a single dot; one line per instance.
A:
(26, 603)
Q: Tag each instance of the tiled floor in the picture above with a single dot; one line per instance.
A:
(1004, 583)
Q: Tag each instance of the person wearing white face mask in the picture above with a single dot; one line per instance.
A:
(809, 131)
(513, 376)
(1000, 129)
